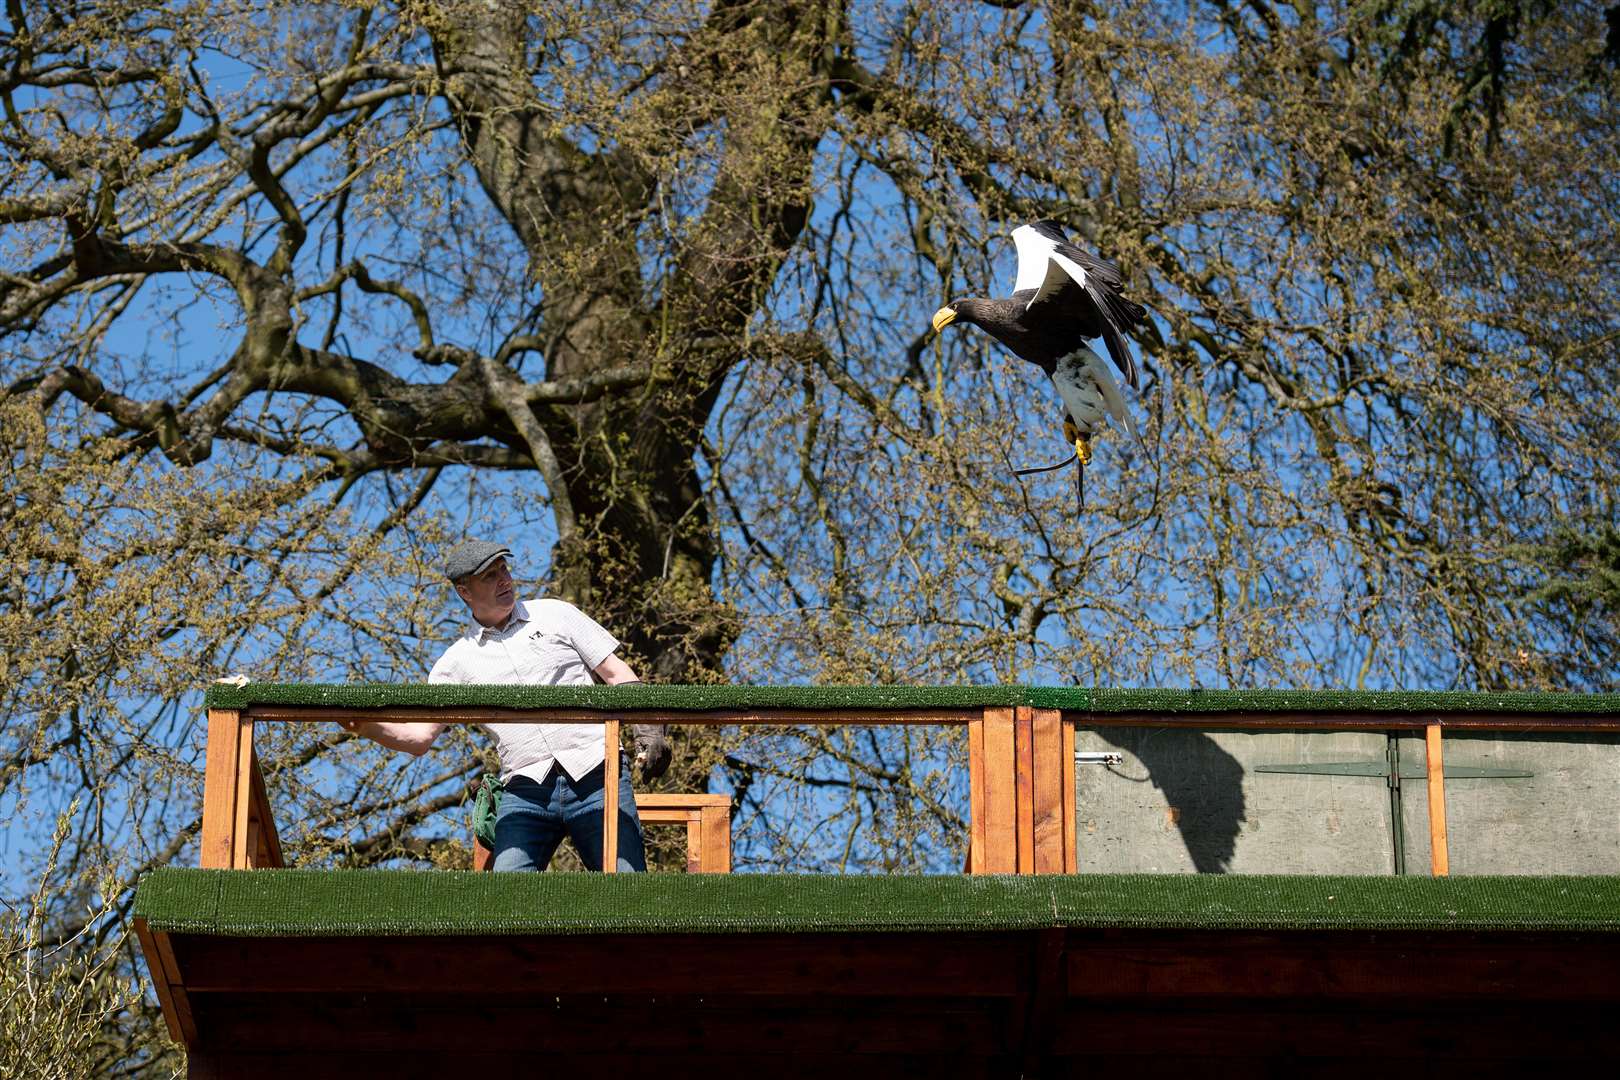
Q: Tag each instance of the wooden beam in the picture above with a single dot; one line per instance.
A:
(220, 792)
(171, 993)
(610, 798)
(1047, 727)
(1439, 855)
(694, 844)
(269, 838)
(1071, 809)
(1048, 987)
(1000, 793)
(664, 815)
(392, 1028)
(978, 843)
(1024, 776)
(716, 851)
(466, 714)
(680, 800)
(241, 835)
(1355, 966)
(1304, 720)
(254, 1061)
(989, 963)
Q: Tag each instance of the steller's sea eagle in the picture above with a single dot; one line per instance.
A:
(1063, 298)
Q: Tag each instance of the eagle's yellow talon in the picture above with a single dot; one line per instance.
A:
(1080, 441)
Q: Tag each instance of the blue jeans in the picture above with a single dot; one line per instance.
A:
(534, 816)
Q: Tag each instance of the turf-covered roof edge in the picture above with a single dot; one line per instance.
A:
(1080, 699)
(382, 903)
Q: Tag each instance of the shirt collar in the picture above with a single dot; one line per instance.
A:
(480, 633)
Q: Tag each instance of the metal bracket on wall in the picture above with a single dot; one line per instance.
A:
(1379, 768)
(1393, 770)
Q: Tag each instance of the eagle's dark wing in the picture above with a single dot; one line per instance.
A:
(1072, 283)
(1082, 302)
(1106, 286)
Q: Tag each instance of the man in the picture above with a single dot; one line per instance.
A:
(552, 773)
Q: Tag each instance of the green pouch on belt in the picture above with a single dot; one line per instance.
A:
(485, 807)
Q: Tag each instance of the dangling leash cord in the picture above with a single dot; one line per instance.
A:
(1045, 468)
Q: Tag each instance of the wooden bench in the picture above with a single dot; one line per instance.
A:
(708, 829)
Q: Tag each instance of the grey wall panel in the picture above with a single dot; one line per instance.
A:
(1189, 801)
(1565, 819)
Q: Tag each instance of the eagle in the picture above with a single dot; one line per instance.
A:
(1063, 298)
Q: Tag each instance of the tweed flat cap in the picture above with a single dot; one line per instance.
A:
(473, 557)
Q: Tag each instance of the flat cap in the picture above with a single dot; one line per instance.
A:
(473, 557)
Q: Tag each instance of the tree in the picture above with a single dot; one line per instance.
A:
(292, 293)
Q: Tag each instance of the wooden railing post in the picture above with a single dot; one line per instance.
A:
(715, 822)
(1071, 810)
(1047, 801)
(978, 837)
(227, 791)
(1024, 786)
(999, 780)
(610, 798)
(1439, 856)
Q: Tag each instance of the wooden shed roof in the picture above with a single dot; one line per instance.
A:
(426, 974)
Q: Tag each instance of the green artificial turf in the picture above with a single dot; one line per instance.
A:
(304, 903)
(695, 698)
(1074, 699)
(1407, 701)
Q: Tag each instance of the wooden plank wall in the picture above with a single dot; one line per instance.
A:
(221, 793)
(1021, 777)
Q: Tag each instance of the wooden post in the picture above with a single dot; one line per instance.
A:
(1046, 727)
(1439, 856)
(1071, 810)
(1024, 756)
(977, 837)
(222, 793)
(610, 799)
(1000, 793)
(716, 839)
(694, 843)
(241, 835)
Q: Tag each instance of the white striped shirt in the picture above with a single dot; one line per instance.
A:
(545, 643)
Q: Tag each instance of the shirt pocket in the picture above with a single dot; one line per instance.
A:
(549, 657)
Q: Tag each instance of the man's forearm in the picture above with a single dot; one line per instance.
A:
(615, 672)
(411, 738)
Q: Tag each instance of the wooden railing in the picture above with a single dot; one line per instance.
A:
(1021, 772)
(1020, 758)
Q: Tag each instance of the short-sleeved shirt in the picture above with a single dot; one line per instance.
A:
(545, 643)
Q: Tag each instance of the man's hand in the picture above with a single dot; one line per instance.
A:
(652, 750)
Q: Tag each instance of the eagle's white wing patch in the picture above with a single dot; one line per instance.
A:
(1041, 268)
(1034, 254)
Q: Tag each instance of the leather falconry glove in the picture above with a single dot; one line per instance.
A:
(652, 750)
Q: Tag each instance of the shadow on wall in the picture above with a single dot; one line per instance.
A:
(1202, 784)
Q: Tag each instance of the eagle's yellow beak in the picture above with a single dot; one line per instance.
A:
(943, 318)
